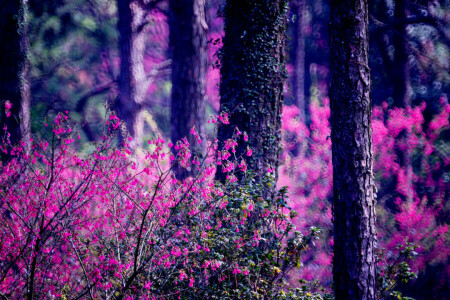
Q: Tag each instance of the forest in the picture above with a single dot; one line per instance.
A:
(224, 149)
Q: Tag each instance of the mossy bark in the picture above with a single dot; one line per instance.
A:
(253, 72)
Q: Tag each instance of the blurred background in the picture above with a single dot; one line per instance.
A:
(77, 50)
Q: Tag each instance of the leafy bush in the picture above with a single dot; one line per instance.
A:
(113, 224)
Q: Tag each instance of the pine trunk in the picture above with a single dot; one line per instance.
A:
(252, 77)
(188, 40)
(14, 70)
(353, 183)
(133, 81)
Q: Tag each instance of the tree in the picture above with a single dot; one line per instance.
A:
(253, 72)
(299, 57)
(188, 29)
(401, 78)
(132, 85)
(353, 183)
(402, 86)
(402, 83)
(133, 80)
(14, 69)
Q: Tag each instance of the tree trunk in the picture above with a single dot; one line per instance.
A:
(133, 81)
(252, 76)
(402, 88)
(299, 59)
(401, 77)
(353, 183)
(188, 40)
(14, 70)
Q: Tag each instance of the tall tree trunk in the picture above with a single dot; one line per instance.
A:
(253, 72)
(133, 81)
(402, 88)
(401, 77)
(14, 70)
(188, 40)
(299, 58)
(353, 183)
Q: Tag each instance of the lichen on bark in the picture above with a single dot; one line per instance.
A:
(253, 72)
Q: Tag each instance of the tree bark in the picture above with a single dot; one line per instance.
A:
(353, 183)
(133, 81)
(14, 70)
(252, 76)
(299, 59)
(188, 40)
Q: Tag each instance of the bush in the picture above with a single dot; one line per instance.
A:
(112, 224)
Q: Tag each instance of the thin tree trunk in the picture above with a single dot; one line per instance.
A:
(253, 72)
(402, 87)
(299, 58)
(14, 70)
(133, 81)
(401, 77)
(25, 92)
(353, 183)
(188, 40)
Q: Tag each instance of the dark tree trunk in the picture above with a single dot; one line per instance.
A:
(14, 69)
(353, 183)
(253, 72)
(299, 58)
(401, 77)
(402, 87)
(188, 39)
(133, 81)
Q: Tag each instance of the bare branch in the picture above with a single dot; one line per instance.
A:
(96, 91)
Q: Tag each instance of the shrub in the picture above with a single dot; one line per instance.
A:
(113, 224)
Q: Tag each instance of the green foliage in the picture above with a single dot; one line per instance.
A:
(309, 291)
(72, 45)
(252, 246)
(395, 272)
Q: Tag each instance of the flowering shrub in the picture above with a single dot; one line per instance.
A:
(307, 171)
(111, 224)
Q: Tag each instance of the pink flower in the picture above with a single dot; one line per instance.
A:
(191, 282)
